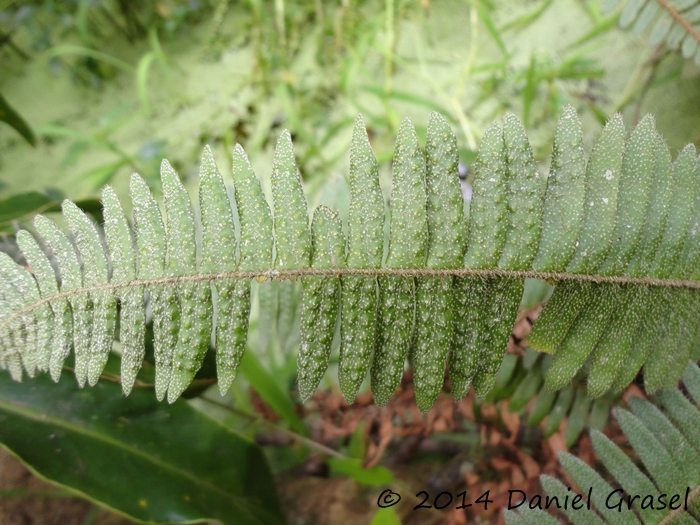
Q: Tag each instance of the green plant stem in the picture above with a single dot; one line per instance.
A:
(314, 445)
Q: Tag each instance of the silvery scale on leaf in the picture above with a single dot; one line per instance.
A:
(618, 233)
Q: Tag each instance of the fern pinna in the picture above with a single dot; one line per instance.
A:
(619, 234)
(675, 23)
(664, 436)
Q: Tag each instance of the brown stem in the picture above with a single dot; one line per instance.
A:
(679, 19)
(263, 275)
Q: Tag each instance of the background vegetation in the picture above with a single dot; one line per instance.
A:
(97, 89)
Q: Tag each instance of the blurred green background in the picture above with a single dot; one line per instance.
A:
(112, 87)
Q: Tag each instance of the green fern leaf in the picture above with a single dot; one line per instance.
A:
(81, 306)
(132, 329)
(446, 246)
(50, 329)
(487, 236)
(95, 273)
(665, 439)
(232, 295)
(195, 297)
(21, 291)
(291, 219)
(407, 249)
(320, 301)
(558, 490)
(563, 207)
(675, 23)
(358, 326)
(618, 237)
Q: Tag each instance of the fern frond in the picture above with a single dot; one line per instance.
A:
(656, 487)
(618, 234)
(520, 381)
(673, 22)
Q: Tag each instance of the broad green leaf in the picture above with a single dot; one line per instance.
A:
(165, 463)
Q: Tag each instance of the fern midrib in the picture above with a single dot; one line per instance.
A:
(678, 18)
(367, 272)
(44, 418)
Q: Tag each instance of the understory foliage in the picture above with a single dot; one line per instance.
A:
(665, 436)
(675, 23)
(520, 380)
(618, 233)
